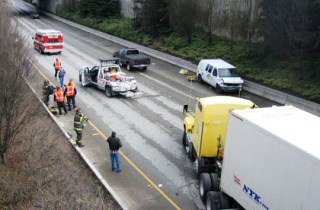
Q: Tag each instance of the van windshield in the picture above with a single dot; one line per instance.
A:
(228, 73)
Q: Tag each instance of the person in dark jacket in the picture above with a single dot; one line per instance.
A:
(114, 146)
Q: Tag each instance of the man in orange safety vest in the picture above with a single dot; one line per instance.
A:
(70, 92)
(57, 66)
(59, 98)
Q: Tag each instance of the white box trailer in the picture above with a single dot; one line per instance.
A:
(272, 159)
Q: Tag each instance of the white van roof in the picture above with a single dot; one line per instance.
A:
(47, 31)
(218, 63)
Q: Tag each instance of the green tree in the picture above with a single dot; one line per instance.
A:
(183, 14)
(99, 8)
(152, 15)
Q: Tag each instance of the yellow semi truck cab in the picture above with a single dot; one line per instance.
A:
(205, 132)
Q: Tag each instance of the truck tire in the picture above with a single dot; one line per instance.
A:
(215, 182)
(212, 201)
(191, 152)
(224, 200)
(109, 92)
(128, 67)
(200, 166)
(199, 78)
(184, 138)
(204, 186)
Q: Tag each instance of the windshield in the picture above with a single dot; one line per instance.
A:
(228, 73)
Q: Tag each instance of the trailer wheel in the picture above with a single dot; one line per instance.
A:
(184, 138)
(109, 92)
(204, 186)
(191, 152)
(224, 200)
(215, 184)
(212, 201)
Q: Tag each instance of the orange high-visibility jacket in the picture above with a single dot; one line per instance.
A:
(57, 64)
(70, 90)
(59, 95)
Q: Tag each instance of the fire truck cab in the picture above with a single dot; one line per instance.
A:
(48, 41)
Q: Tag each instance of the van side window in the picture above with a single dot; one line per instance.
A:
(207, 67)
(210, 69)
(214, 72)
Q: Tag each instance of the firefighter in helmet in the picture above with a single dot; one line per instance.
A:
(78, 125)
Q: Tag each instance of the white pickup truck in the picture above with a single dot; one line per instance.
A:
(108, 77)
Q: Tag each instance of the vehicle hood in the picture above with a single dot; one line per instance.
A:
(232, 80)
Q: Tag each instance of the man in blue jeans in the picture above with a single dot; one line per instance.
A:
(114, 146)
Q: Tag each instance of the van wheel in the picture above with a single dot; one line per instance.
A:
(204, 186)
(218, 89)
(109, 92)
(128, 67)
(199, 78)
(191, 152)
(184, 138)
(212, 201)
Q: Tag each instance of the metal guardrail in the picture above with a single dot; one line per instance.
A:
(266, 92)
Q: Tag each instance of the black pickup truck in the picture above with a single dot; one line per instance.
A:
(132, 58)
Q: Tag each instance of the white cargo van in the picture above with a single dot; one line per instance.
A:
(219, 74)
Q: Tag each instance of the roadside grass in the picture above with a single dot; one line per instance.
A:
(285, 76)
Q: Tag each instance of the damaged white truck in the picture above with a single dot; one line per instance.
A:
(109, 77)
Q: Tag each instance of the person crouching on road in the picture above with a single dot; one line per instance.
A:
(114, 146)
(59, 98)
(70, 92)
(78, 126)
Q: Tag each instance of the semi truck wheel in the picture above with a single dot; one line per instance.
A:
(212, 201)
(200, 166)
(215, 182)
(191, 152)
(204, 186)
(184, 138)
(224, 200)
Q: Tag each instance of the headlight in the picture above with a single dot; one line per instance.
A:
(220, 81)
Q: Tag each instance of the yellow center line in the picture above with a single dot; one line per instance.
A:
(122, 154)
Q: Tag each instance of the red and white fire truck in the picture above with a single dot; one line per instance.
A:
(48, 41)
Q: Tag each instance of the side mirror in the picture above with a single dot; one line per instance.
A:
(32, 37)
(185, 109)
